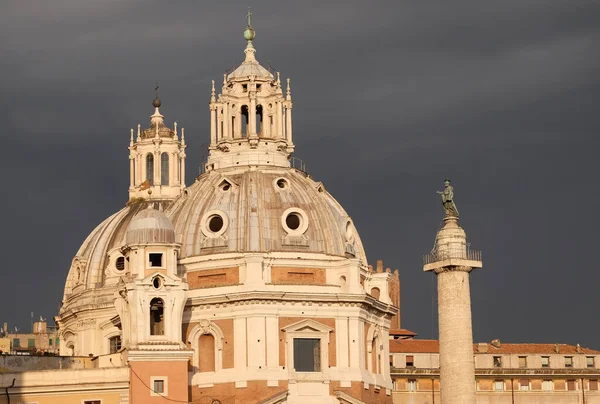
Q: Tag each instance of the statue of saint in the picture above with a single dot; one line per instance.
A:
(448, 200)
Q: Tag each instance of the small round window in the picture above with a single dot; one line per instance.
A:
(157, 282)
(294, 221)
(282, 183)
(120, 263)
(215, 223)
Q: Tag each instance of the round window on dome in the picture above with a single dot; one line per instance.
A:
(281, 183)
(349, 231)
(120, 263)
(215, 223)
(294, 221)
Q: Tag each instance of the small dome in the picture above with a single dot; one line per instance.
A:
(150, 226)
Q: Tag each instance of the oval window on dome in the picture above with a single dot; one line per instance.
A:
(215, 223)
(120, 263)
(294, 221)
(282, 183)
(349, 231)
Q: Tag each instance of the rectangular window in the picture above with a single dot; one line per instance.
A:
(57, 341)
(593, 385)
(499, 385)
(410, 361)
(31, 343)
(391, 361)
(412, 385)
(307, 354)
(547, 385)
(159, 386)
(155, 259)
(522, 361)
(92, 402)
(497, 361)
(50, 342)
(545, 361)
(524, 384)
(590, 362)
(568, 361)
(115, 344)
(16, 343)
(571, 385)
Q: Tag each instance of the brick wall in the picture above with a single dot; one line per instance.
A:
(213, 277)
(298, 276)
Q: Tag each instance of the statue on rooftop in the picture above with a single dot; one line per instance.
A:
(448, 199)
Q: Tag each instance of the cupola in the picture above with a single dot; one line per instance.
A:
(156, 159)
(251, 120)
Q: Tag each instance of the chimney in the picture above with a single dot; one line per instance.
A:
(379, 265)
(5, 328)
(482, 347)
(496, 343)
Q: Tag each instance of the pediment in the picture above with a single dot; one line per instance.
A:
(307, 325)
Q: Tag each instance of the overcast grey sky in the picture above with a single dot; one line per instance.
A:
(389, 99)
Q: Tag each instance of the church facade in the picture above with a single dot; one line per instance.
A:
(249, 286)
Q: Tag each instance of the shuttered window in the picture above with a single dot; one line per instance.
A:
(410, 360)
(524, 384)
(522, 361)
(593, 385)
(571, 385)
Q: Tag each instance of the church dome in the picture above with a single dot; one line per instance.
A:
(268, 210)
(150, 226)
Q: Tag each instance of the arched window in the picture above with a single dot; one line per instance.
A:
(157, 323)
(150, 168)
(164, 169)
(206, 347)
(244, 121)
(259, 119)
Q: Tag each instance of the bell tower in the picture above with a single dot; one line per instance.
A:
(251, 120)
(156, 159)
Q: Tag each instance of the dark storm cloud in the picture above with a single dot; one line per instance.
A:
(389, 98)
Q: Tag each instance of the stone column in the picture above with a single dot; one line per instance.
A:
(131, 171)
(278, 121)
(251, 128)
(182, 178)
(213, 126)
(288, 123)
(226, 132)
(452, 264)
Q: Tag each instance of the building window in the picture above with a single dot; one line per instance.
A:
(547, 385)
(16, 343)
(410, 361)
(164, 169)
(568, 361)
(571, 385)
(524, 384)
(307, 354)
(92, 402)
(522, 361)
(593, 385)
(150, 169)
(499, 385)
(497, 361)
(412, 385)
(57, 341)
(590, 361)
(545, 361)
(50, 342)
(157, 326)
(31, 343)
(115, 344)
(160, 386)
(155, 259)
